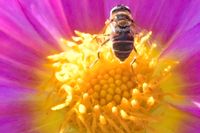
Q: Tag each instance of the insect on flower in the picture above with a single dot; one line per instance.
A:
(122, 33)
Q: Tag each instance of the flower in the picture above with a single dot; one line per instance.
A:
(107, 97)
(47, 84)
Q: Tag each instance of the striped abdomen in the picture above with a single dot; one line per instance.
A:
(122, 45)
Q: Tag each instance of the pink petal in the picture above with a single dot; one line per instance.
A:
(185, 46)
(186, 49)
(85, 16)
(190, 125)
(167, 18)
(15, 113)
(14, 20)
(190, 69)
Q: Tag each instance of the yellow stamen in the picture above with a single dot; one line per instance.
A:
(102, 119)
(150, 101)
(134, 103)
(123, 114)
(82, 109)
(114, 109)
(135, 92)
(59, 106)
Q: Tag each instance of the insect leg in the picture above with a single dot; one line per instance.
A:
(131, 64)
(135, 49)
(98, 53)
(98, 36)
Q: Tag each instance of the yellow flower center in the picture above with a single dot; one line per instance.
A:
(110, 96)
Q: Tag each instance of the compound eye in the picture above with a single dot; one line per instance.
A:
(120, 8)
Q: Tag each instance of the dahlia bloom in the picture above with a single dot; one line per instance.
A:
(48, 86)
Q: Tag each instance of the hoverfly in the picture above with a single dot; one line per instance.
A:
(122, 33)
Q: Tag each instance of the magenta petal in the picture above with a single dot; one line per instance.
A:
(14, 21)
(193, 110)
(60, 16)
(15, 112)
(186, 49)
(190, 68)
(167, 18)
(14, 123)
(86, 16)
(17, 51)
(39, 16)
(186, 45)
(190, 126)
(17, 73)
(189, 71)
(17, 61)
(189, 123)
(191, 106)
